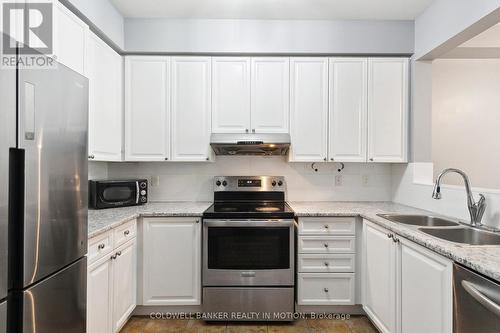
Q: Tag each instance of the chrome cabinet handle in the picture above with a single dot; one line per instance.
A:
(325, 159)
(101, 246)
(481, 298)
(91, 157)
(325, 290)
(395, 240)
(197, 221)
(326, 226)
(331, 159)
(126, 232)
(371, 159)
(390, 235)
(166, 158)
(326, 264)
(253, 130)
(325, 245)
(246, 130)
(119, 253)
(113, 257)
(208, 158)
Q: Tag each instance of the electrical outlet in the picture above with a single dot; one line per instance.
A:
(155, 181)
(338, 180)
(365, 180)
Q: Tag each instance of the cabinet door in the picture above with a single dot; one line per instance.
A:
(387, 109)
(147, 111)
(124, 283)
(270, 95)
(230, 95)
(99, 296)
(348, 107)
(172, 261)
(426, 289)
(191, 108)
(104, 70)
(70, 35)
(309, 109)
(379, 280)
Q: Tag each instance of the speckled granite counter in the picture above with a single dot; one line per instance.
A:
(483, 259)
(103, 220)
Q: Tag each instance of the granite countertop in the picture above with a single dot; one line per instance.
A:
(483, 259)
(102, 220)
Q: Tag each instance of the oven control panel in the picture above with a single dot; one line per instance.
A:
(249, 183)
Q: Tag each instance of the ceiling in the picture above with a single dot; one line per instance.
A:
(273, 9)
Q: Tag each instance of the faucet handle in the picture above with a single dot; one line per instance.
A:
(481, 207)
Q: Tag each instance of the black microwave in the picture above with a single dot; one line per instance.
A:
(117, 193)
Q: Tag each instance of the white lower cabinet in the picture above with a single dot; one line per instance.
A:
(171, 261)
(111, 282)
(406, 288)
(326, 261)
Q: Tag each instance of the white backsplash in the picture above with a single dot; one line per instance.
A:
(98, 170)
(194, 181)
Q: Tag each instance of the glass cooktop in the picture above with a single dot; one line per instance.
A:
(270, 210)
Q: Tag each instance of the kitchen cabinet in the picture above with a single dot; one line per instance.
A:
(191, 108)
(171, 272)
(326, 261)
(387, 109)
(111, 279)
(70, 37)
(348, 109)
(105, 73)
(308, 109)
(230, 95)
(401, 279)
(426, 289)
(270, 95)
(147, 108)
(124, 284)
(100, 296)
(379, 280)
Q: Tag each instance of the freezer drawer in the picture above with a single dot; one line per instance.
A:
(58, 303)
(3, 317)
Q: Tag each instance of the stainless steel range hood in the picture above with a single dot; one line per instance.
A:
(250, 144)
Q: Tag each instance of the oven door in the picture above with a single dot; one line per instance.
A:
(248, 253)
(117, 194)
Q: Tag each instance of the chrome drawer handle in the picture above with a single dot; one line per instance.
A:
(325, 290)
(126, 232)
(101, 246)
(326, 226)
(326, 264)
(325, 245)
(481, 298)
(119, 253)
(113, 257)
(390, 235)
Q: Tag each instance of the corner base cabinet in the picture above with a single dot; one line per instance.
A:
(171, 273)
(406, 287)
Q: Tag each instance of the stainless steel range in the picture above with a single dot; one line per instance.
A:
(248, 249)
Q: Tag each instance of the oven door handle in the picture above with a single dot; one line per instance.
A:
(248, 223)
(481, 298)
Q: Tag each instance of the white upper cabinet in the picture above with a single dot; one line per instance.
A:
(387, 109)
(348, 109)
(191, 108)
(105, 74)
(309, 109)
(270, 95)
(230, 95)
(147, 108)
(70, 36)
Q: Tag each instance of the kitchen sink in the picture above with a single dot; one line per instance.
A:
(419, 220)
(464, 235)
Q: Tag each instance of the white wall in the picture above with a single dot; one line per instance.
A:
(466, 119)
(98, 170)
(446, 24)
(269, 36)
(411, 188)
(194, 181)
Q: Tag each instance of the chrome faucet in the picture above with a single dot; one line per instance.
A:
(476, 209)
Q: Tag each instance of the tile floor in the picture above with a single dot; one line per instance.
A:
(356, 324)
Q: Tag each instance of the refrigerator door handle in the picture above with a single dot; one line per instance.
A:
(29, 111)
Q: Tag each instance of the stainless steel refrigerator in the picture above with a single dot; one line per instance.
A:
(43, 200)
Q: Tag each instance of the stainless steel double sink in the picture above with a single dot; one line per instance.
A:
(445, 229)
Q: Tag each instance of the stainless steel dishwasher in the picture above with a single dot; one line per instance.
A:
(476, 304)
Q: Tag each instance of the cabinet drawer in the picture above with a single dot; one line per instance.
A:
(327, 226)
(125, 232)
(327, 244)
(100, 246)
(326, 263)
(326, 289)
